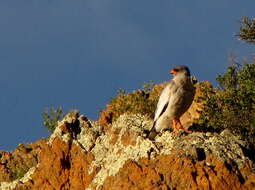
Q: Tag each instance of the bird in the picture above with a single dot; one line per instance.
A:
(174, 101)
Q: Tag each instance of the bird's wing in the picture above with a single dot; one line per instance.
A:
(163, 100)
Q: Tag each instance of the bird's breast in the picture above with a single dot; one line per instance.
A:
(180, 101)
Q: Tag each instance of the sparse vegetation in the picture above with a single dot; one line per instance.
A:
(51, 117)
(141, 101)
(247, 30)
(233, 106)
(18, 173)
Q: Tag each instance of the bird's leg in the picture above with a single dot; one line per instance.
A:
(178, 126)
(174, 126)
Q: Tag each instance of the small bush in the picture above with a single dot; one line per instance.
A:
(233, 107)
(247, 30)
(140, 101)
(18, 173)
(51, 117)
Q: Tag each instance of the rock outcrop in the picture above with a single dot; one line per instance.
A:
(81, 154)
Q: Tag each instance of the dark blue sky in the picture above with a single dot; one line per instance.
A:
(77, 54)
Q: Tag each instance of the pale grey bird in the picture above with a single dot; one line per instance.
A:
(174, 101)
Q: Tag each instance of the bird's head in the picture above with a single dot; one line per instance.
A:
(180, 69)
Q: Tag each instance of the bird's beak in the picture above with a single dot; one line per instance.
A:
(173, 72)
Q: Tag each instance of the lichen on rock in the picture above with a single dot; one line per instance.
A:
(110, 157)
(82, 154)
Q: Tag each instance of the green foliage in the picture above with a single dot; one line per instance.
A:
(229, 79)
(18, 173)
(51, 117)
(147, 87)
(138, 101)
(247, 30)
(234, 106)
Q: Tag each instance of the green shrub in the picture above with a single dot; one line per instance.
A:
(233, 107)
(229, 80)
(140, 101)
(18, 173)
(247, 30)
(51, 117)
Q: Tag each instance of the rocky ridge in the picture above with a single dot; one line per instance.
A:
(82, 155)
(106, 154)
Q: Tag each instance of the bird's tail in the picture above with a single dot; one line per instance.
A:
(153, 133)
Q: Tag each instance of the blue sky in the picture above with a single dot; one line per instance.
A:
(77, 54)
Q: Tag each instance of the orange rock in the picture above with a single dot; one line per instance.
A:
(129, 138)
(105, 117)
(173, 172)
(196, 161)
